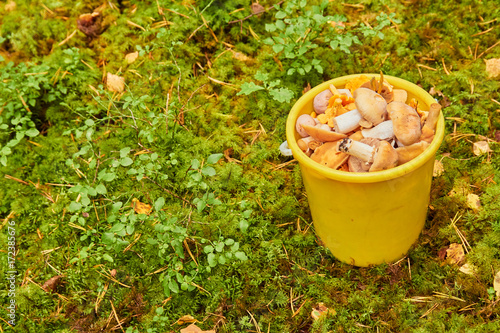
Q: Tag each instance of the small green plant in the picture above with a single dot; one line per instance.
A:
(279, 94)
(198, 174)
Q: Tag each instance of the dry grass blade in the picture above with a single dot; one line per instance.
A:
(443, 295)
(254, 322)
(465, 243)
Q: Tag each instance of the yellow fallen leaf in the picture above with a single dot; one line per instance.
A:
(473, 201)
(455, 253)
(194, 329)
(321, 310)
(496, 283)
(241, 56)
(115, 83)
(187, 319)
(140, 208)
(468, 269)
(480, 148)
(10, 6)
(438, 169)
(493, 68)
(131, 57)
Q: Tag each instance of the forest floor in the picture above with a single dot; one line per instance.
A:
(143, 189)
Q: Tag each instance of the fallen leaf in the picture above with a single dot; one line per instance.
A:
(496, 283)
(51, 284)
(140, 208)
(438, 169)
(194, 329)
(10, 6)
(131, 57)
(473, 201)
(455, 253)
(321, 310)
(187, 319)
(240, 56)
(497, 135)
(480, 148)
(306, 88)
(493, 68)
(257, 8)
(468, 269)
(90, 24)
(115, 83)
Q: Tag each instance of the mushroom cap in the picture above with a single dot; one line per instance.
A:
(322, 135)
(407, 153)
(304, 119)
(320, 102)
(405, 121)
(400, 95)
(385, 157)
(327, 155)
(371, 105)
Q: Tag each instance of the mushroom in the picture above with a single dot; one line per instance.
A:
(383, 131)
(429, 127)
(347, 122)
(407, 153)
(304, 119)
(371, 105)
(308, 144)
(320, 102)
(322, 134)
(383, 156)
(406, 122)
(356, 164)
(327, 155)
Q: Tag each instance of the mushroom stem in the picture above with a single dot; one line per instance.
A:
(347, 122)
(355, 148)
(433, 116)
(382, 131)
(429, 128)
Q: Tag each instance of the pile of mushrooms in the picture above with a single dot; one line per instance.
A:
(368, 126)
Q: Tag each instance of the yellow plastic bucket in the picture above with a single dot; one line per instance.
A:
(367, 218)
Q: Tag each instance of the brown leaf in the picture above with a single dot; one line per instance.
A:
(473, 201)
(306, 88)
(257, 8)
(480, 148)
(455, 253)
(115, 83)
(493, 68)
(497, 135)
(187, 319)
(194, 329)
(141, 208)
(51, 284)
(321, 310)
(90, 24)
(496, 283)
(131, 57)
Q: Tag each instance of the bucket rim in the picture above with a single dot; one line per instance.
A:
(366, 177)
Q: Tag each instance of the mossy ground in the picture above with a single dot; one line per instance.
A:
(121, 270)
